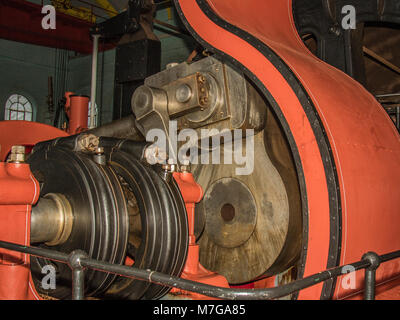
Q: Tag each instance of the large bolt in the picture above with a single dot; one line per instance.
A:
(170, 166)
(99, 156)
(185, 166)
(17, 154)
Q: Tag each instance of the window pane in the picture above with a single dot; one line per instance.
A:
(22, 99)
(13, 98)
(28, 116)
(28, 107)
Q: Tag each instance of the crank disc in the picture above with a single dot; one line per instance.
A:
(122, 208)
(244, 221)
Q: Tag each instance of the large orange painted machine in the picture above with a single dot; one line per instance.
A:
(323, 192)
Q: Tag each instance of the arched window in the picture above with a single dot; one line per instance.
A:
(18, 108)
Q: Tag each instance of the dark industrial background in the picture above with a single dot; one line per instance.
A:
(25, 68)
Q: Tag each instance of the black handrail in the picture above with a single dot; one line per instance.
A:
(78, 261)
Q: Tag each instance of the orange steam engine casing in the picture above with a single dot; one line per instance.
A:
(347, 147)
(19, 190)
(192, 193)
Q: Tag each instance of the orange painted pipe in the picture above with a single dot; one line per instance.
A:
(18, 191)
(192, 193)
(78, 114)
(67, 96)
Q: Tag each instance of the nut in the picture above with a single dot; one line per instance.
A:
(17, 154)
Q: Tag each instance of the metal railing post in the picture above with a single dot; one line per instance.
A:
(78, 274)
(370, 274)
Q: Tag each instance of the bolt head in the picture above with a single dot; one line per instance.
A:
(17, 154)
(183, 93)
(142, 100)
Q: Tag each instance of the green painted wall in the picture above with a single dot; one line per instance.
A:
(174, 49)
(24, 69)
(79, 78)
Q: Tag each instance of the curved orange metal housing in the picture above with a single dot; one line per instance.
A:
(346, 148)
(19, 190)
(25, 133)
(192, 193)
